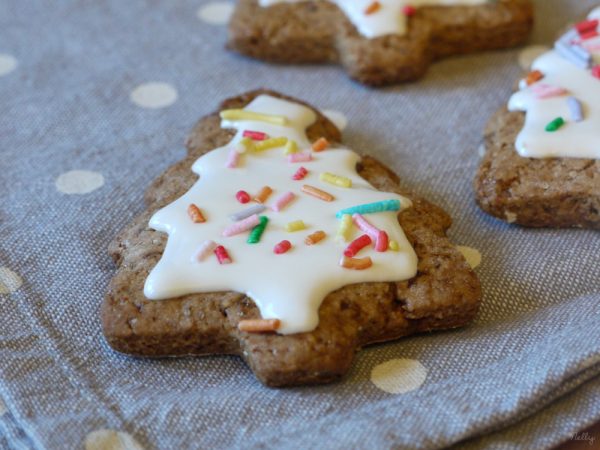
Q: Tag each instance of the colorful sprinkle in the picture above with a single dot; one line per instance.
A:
(409, 10)
(290, 147)
(282, 201)
(344, 228)
(364, 225)
(381, 245)
(282, 247)
(255, 135)
(320, 144)
(393, 246)
(242, 197)
(222, 255)
(596, 71)
(240, 114)
(576, 109)
(233, 159)
(315, 237)
(357, 245)
(241, 226)
(299, 157)
(296, 225)
(270, 143)
(336, 180)
(573, 53)
(300, 174)
(542, 90)
(259, 325)
(254, 209)
(317, 193)
(533, 77)
(371, 208)
(263, 194)
(205, 249)
(195, 214)
(372, 8)
(555, 124)
(258, 230)
(586, 26)
(356, 263)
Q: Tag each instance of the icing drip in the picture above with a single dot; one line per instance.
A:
(578, 105)
(388, 19)
(291, 285)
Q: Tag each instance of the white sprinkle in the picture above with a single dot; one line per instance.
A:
(399, 376)
(154, 95)
(215, 13)
(8, 63)
(79, 182)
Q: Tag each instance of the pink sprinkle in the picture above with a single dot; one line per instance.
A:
(299, 157)
(381, 244)
(241, 226)
(233, 159)
(364, 225)
(204, 250)
(282, 201)
(255, 135)
(300, 174)
(543, 90)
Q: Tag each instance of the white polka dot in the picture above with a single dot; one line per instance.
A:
(529, 54)
(481, 150)
(399, 376)
(472, 255)
(9, 281)
(7, 64)
(79, 182)
(338, 118)
(111, 440)
(154, 95)
(2, 408)
(215, 13)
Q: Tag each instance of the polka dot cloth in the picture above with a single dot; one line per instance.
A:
(215, 13)
(111, 440)
(399, 376)
(7, 64)
(9, 281)
(79, 182)
(154, 95)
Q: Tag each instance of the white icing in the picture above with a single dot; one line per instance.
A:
(574, 139)
(387, 20)
(291, 286)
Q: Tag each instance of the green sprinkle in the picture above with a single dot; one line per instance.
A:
(370, 208)
(258, 230)
(555, 124)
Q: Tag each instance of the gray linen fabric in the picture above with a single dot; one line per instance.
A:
(526, 374)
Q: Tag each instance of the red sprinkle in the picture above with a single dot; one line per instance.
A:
(282, 247)
(222, 255)
(382, 241)
(357, 245)
(596, 71)
(300, 174)
(242, 197)
(255, 135)
(586, 26)
(409, 10)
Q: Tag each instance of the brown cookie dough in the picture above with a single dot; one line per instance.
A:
(554, 192)
(444, 294)
(319, 32)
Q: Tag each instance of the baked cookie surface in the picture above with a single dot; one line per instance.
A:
(319, 31)
(445, 292)
(541, 167)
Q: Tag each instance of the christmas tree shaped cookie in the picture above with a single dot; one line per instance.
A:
(542, 165)
(285, 248)
(378, 42)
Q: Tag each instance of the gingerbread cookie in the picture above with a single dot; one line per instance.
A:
(541, 167)
(378, 42)
(288, 250)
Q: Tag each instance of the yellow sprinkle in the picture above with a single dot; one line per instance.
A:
(245, 145)
(336, 180)
(344, 229)
(393, 246)
(291, 147)
(296, 225)
(270, 143)
(241, 114)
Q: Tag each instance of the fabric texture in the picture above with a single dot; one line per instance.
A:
(526, 374)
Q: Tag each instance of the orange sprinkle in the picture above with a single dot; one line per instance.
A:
(259, 325)
(195, 214)
(356, 263)
(320, 144)
(263, 194)
(533, 77)
(373, 7)
(315, 192)
(317, 236)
